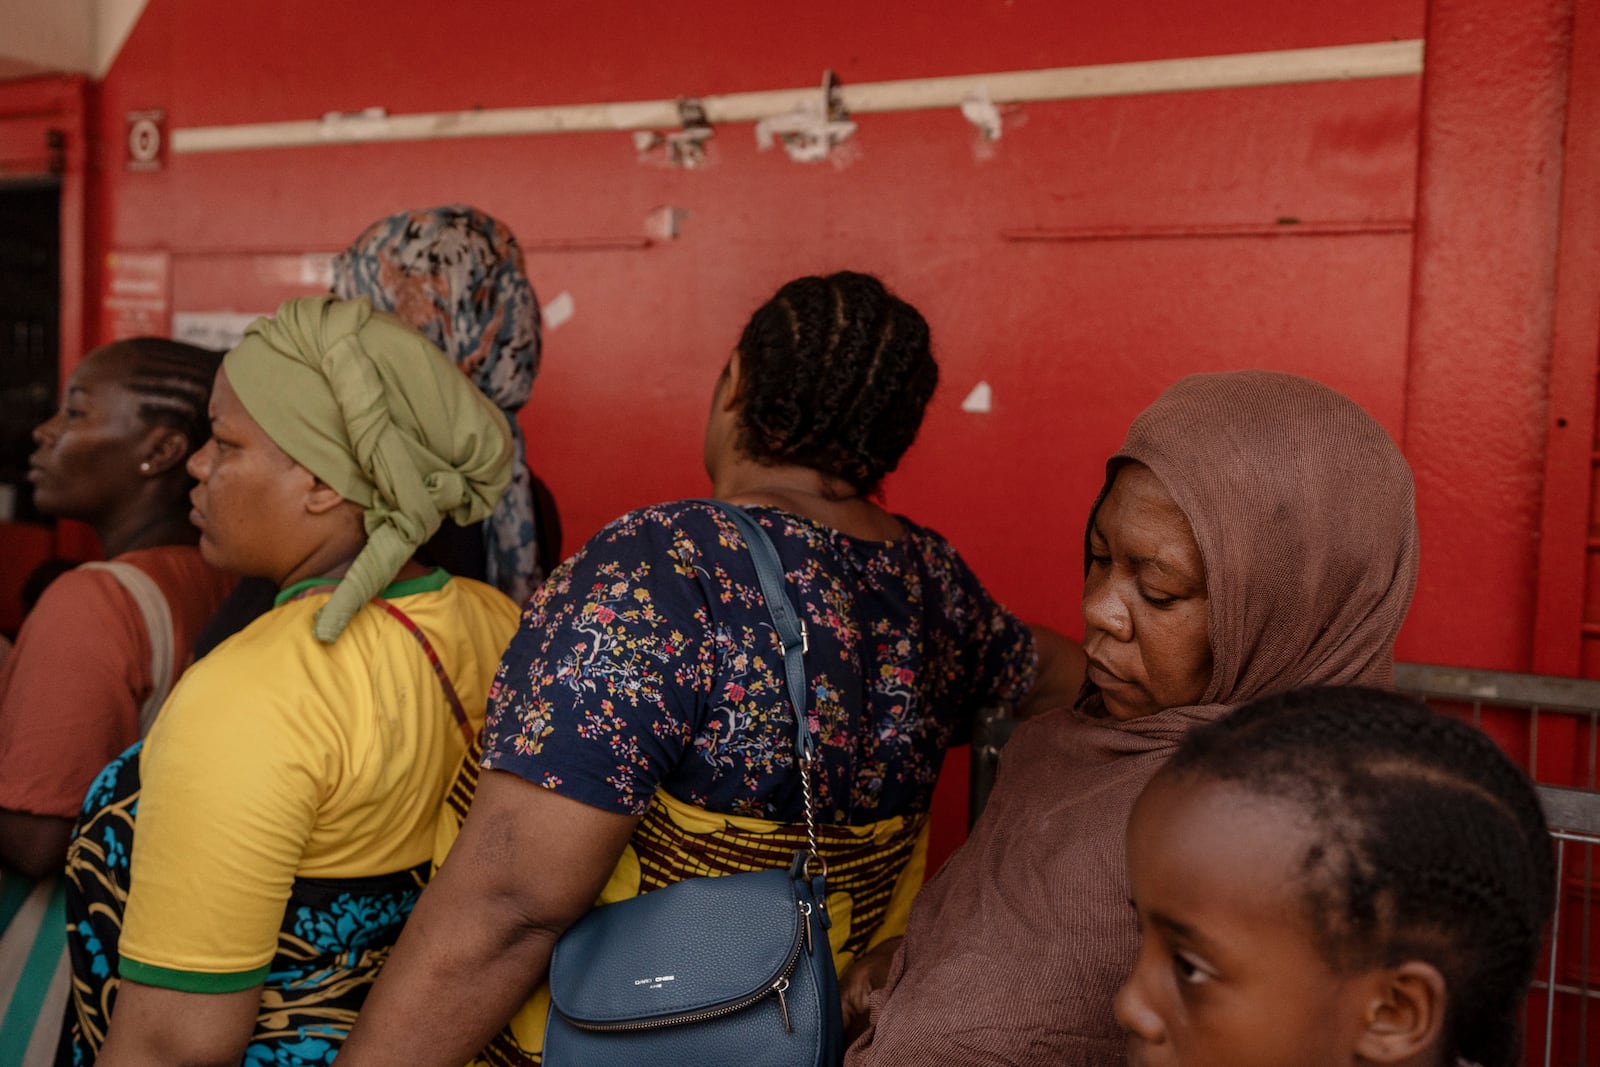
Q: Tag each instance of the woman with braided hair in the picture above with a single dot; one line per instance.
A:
(237, 880)
(640, 733)
(1256, 532)
(1334, 877)
(113, 456)
(101, 647)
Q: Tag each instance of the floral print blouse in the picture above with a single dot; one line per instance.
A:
(649, 661)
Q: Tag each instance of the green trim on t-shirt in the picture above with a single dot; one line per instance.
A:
(431, 582)
(286, 595)
(191, 981)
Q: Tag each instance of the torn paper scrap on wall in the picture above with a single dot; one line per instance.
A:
(812, 131)
(557, 311)
(687, 147)
(807, 135)
(979, 110)
(665, 222)
(980, 401)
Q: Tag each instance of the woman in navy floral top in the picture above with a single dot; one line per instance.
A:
(645, 665)
(639, 729)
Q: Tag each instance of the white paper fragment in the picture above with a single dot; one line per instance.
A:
(813, 129)
(980, 401)
(665, 222)
(316, 269)
(212, 329)
(979, 110)
(687, 148)
(557, 311)
(807, 135)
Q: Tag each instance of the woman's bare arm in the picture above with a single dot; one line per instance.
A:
(154, 1027)
(33, 845)
(528, 863)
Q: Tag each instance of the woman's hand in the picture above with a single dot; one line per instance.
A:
(870, 971)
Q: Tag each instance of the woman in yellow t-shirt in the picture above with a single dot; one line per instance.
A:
(285, 800)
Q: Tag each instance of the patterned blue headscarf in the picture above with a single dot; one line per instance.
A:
(457, 276)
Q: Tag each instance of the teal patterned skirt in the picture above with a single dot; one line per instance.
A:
(336, 935)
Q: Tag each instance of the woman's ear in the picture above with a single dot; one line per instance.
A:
(320, 498)
(1404, 1014)
(731, 381)
(164, 449)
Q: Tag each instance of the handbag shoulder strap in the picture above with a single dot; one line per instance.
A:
(792, 634)
(157, 615)
(451, 698)
(456, 709)
(791, 628)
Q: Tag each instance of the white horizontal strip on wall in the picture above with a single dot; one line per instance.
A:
(1342, 62)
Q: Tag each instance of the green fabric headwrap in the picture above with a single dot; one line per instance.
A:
(373, 409)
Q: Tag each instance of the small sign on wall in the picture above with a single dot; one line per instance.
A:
(136, 299)
(146, 139)
(219, 330)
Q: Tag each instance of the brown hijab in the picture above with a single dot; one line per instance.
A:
(1304, 512)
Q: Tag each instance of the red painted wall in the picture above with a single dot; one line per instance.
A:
(1433, 308)
(1488, 222)
(1074, 337)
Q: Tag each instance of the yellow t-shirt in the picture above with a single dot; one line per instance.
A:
(279, 757)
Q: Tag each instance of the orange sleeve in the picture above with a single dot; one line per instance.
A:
(70, 693)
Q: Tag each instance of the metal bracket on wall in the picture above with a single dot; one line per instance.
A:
(810, 132)
(687, 147)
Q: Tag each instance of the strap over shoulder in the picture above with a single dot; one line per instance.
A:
(157, 614)
(791, 628)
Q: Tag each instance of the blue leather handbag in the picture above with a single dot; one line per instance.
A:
(730, 971)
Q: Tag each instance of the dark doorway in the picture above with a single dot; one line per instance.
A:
(30, 318)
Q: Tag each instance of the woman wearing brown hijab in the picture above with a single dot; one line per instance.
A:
(1256, 533)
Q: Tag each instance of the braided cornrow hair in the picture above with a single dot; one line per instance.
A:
(1432, 844)
(836, 373)
(173, 382)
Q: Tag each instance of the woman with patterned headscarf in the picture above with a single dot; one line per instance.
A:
(286, 798)
(457, 276)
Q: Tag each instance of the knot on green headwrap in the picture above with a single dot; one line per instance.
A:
(369, 406)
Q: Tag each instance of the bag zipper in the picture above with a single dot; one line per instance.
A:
(780, 985)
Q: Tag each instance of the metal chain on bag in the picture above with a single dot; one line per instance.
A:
(812, 852)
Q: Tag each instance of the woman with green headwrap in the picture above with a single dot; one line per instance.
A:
(286, 797)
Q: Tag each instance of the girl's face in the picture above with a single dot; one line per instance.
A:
(1145, 610)
(1229, 973)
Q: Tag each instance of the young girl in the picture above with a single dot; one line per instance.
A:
(1335, 877)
